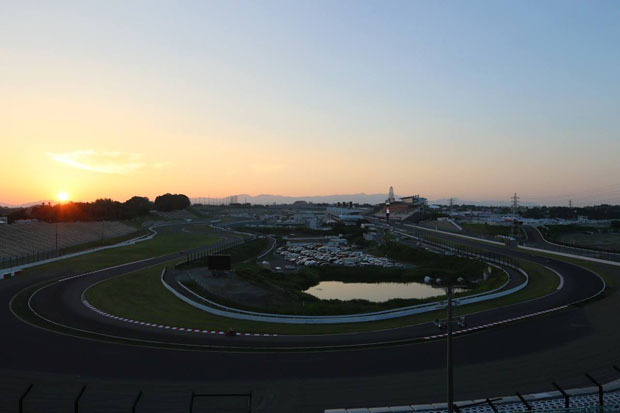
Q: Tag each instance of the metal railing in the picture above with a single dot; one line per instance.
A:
(16, 261)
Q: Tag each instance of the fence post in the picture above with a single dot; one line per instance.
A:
(566, 396)
(490, 403)
(23, 397)
(135, 403)
(527, 405)
(77, 400)
(601, 402)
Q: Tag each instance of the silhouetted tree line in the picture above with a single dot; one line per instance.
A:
(592, 212)
(100, 210)
(171, 202)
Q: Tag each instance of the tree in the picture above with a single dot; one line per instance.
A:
(171, 202)
(138, 205)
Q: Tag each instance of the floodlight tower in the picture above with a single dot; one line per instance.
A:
(387, 211)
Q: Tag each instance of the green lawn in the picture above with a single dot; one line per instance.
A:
(167, 241)
(487, 230)
(141, 296)
(596, 238)
(600, 241)
(101, 243)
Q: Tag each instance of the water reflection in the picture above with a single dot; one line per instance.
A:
(376, 292)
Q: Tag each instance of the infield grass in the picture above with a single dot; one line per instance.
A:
(168, 240)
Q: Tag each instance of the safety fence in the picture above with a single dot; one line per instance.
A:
(10, 262)
(212, 249)
(596, 399)
(28, 401)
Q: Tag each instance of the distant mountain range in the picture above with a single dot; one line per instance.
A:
(26, 205)
(267, 199)
(458, 201)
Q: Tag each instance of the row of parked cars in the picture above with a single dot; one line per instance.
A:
(310, 255)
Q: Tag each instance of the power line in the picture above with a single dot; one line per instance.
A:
(584, 194)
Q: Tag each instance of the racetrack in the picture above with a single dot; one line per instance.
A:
(479, 355)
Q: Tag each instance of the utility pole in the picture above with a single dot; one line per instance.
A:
(451, 205)
(570, 203)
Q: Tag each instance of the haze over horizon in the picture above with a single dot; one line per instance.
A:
(468, 100)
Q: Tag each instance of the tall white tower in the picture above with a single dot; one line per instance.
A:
(391, 195)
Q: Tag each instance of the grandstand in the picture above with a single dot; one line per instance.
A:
(398, 211)
(20, 240)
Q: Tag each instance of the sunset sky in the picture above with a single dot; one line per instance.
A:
(475, 100)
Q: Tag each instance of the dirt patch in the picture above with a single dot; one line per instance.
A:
(235, 289)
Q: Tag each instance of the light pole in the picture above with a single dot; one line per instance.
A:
(449, 292)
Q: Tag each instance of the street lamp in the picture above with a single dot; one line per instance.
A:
(450, 390)
(449, 290)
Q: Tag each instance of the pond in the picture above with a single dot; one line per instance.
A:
(375, 292)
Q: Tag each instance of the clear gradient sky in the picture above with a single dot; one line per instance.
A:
(474, 100)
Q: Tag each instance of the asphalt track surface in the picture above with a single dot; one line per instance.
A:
(35, 349)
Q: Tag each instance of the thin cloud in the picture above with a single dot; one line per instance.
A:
(159, 165)
(105, 162)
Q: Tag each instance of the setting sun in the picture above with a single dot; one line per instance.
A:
(62, 196)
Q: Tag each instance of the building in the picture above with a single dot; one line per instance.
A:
(346, 215)
(415, 200)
